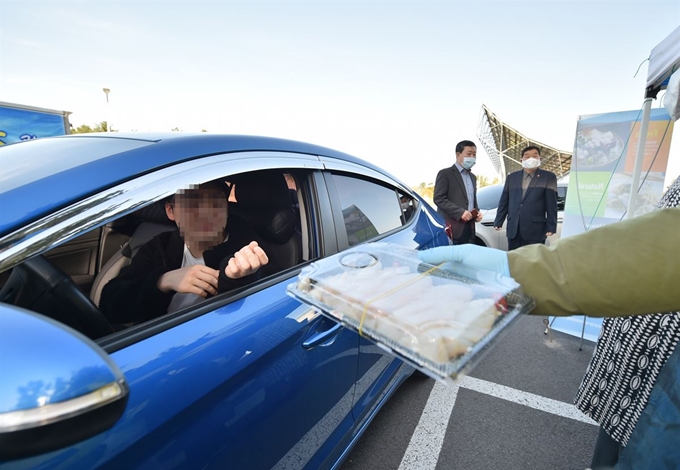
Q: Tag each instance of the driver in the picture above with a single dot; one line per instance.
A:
(204, 256)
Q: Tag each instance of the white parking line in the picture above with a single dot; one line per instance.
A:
(426, 443)
(537, 402)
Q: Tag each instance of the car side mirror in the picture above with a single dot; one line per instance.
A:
(560, 204)
(57, 387)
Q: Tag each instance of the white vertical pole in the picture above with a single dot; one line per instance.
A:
(642, 142)
(108, 110)
(108, 114)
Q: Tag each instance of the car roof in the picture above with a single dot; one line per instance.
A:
(43, 175)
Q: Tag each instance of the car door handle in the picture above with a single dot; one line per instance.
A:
(320, 338)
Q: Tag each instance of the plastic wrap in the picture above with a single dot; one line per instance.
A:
(437, 318)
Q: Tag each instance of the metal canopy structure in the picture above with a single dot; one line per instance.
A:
(504, 145)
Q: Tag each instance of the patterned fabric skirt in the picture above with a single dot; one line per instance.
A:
(630, 353)
(626, 363)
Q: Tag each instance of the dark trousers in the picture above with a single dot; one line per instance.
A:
(514, 243)
(606, 453)
(466, 236)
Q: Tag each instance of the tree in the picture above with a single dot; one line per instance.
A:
(486, 181)
(85, 129)
(175, 129)
(203, 130)
(425, 190)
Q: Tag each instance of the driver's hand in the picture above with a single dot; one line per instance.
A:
(246, 261)
(198, 279)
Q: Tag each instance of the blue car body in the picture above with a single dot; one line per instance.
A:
(255, 380)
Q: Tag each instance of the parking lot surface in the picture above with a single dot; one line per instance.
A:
(513, 411)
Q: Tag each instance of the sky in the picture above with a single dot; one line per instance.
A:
(396, 83)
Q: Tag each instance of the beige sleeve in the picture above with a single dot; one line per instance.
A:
(628, 268)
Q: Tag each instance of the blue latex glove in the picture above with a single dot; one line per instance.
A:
(473, 256)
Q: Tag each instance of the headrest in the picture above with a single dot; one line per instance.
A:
(154, 213)
(274, 225)
(266, 188)
(263, 201)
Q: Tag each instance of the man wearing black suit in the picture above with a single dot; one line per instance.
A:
(529, 200)
(455, 194)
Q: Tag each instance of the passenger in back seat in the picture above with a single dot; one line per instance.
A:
(204, 256)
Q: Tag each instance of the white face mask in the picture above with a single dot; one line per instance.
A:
(531, 163)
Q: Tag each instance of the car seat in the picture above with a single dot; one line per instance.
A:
(153, 221)
(264, 203)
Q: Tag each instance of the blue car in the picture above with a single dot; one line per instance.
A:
(246, 379)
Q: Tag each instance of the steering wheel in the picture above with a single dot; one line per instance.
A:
(40, 286)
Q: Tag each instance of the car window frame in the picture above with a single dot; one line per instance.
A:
(338, 218)
(318, 209)
(416, 205)
(333, 164)
(114, 202)
(122, 199)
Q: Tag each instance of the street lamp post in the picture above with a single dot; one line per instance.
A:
(108, 123)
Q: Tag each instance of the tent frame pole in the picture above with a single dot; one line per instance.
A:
(639, 157)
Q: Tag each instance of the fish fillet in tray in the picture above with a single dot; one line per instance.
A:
(437, 318)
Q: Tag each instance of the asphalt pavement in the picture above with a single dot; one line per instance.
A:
(513, 411)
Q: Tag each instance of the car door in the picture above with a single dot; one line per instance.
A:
(262, 382)
(254, 380)
(488, 198)
(368, 209)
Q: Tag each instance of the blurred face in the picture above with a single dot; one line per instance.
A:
(200, 214)
(290, 181)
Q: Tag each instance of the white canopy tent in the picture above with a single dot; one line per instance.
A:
(663, 61)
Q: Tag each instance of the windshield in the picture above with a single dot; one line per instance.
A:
(488, 196)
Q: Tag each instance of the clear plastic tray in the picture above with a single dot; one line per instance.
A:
(436, 318)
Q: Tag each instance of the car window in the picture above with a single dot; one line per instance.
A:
(561, 197)
(408, 206)
(102, 301)
(368, 209)
(488, 196)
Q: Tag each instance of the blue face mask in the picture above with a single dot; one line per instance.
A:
(469, 162)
